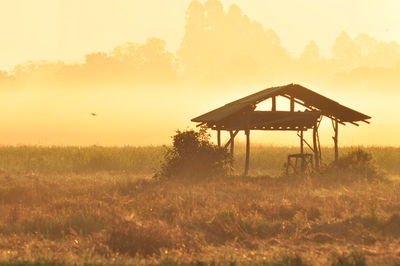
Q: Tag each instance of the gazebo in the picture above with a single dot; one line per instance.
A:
(241, 115)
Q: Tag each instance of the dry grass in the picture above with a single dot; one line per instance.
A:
(108, 219)
(115, 218)
(80, 160)
(270, 159)
(142, 161)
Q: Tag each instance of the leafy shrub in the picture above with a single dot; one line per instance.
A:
(193, 156)
(357, 164)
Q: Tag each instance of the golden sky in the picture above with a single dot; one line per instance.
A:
(69, 29)
(52, 105)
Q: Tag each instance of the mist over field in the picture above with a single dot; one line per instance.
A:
(143, 91)
(100, 163)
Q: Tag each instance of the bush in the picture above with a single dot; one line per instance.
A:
(357, 164)
(193, 156)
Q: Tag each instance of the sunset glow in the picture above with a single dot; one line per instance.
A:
(64, 59)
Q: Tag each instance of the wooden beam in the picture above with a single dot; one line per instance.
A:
(231, 139)
(219, 137)
(302, 151)
(354, 123)
(315, 145)
(202, 123)
(232, 142)
(301, 103)
(291, 104)
(311, 108)
(273, 109)
(305, 141)
(301, 142)
(319, 148)
(336, 139)
(246, 166)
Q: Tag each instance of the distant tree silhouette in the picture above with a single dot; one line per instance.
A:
(97, 68)
(5, 78)
(310, 55)
(3, 74)
(346, 54)
(218, 47)
(191, 45)
(215, 12)
(125, 53)
(377, 54)
(154, 61)
(131, 63)
(310, 65)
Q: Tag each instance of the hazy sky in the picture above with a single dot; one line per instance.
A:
(68, 29)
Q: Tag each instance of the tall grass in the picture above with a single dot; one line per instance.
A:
(95, 213)
(61, 160)
(264, 160)
(223, 220)
(270, 159)
(144, 161)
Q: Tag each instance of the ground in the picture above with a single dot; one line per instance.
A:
(119, 218)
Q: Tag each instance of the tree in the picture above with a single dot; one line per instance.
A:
(189, 52)
(346, 54)
(228, 47)
(154, 62)
(310, 55)
(215, 12)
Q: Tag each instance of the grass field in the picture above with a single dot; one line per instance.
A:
(69, 205)
(143, 161)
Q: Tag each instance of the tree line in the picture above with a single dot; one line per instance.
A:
(218, 48)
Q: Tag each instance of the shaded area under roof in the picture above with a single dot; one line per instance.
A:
(306, 97)
(266, 120)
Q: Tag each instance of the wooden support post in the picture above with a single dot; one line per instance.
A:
(231, 139)
(273, 104)
(246, 167)
(291, 104)
(336, 139)
(219, 137)
(232, 142)
(303, 165)
(315, 145)
(301, 142)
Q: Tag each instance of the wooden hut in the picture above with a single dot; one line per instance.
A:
(241, 115)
